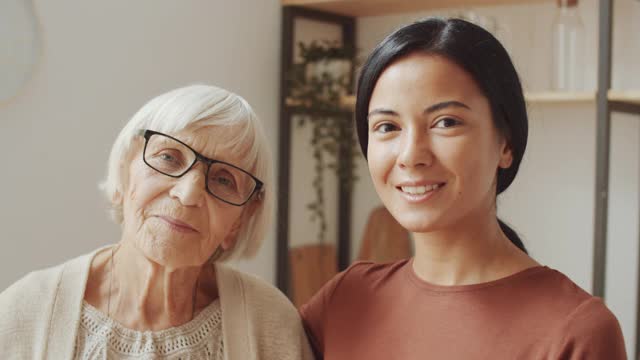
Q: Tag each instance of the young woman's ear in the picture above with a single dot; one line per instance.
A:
(506, 156)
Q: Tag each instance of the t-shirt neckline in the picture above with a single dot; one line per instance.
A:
(416, 280)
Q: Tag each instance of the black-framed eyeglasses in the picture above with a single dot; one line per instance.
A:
(170, 156)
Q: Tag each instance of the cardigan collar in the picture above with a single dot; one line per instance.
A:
(67, 308)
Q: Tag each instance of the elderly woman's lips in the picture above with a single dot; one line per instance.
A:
(177, 224)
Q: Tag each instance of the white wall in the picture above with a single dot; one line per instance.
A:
(551, 202)
(100, 62)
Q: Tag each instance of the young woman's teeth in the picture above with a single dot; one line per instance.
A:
(419, 190)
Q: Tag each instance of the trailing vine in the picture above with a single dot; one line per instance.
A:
(316, 87)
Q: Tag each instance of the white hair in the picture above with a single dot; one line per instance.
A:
(198, 106)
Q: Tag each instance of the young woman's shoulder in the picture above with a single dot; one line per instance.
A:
(352, 284)
(591, 331)
(361, 270)
(358, 280)
(586, 328)
(562, 294)
(364, 276)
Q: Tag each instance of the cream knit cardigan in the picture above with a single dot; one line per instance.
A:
(40, 315)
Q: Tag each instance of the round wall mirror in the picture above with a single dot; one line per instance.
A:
(19, 45)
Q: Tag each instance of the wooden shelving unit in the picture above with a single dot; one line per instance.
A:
(604, 100)
(358, 8)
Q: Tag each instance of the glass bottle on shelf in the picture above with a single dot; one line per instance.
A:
(568, 48)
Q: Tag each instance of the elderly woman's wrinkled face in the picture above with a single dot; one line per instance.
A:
(175, 222)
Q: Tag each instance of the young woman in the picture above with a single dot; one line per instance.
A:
(442, 120)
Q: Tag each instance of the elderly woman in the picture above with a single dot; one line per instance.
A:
(190, 182)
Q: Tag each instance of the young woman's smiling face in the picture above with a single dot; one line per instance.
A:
(433, 149)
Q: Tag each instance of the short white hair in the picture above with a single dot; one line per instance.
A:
(198, 106)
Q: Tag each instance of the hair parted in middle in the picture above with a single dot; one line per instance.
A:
(478, 53)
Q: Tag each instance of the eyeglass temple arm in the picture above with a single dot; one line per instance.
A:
(260, 193)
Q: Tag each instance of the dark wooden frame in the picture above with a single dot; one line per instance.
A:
(605, 107)
(289, 15)
(603, 125)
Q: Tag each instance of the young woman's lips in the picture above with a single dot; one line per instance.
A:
(418, 193)
(177, 225)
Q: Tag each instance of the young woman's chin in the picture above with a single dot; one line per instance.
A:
(419, 221)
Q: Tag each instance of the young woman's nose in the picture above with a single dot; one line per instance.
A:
(415, 149)
(190, 189)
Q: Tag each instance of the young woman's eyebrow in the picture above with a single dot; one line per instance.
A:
(444, 105)
(381, 111)
(429, 110)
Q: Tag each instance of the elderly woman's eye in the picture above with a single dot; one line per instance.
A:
(225, 180)
(167, 157)
(167, 161)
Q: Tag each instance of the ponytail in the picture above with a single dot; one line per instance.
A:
(511, 234)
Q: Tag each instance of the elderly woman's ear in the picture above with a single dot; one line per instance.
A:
(125, 162)
(250, 208)
(232, 237)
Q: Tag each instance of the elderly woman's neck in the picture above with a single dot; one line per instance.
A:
(147, 296)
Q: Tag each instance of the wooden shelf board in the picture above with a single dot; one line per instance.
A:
(543, 97)
(385, 7)
(549, 97)
(532, 97)
(631, 96)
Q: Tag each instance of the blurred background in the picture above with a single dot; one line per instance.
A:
(72, 73)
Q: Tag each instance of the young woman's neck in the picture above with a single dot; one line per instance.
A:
(470, 252)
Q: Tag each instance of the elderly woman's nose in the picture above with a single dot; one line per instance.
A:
(415, 150)
(190, 188)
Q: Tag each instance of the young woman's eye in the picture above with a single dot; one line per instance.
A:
(385, 128)
(446, 123)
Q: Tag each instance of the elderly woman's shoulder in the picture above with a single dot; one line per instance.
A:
(25, 311)
(33, 289)
(31, 286)
(254, 291)
(256, 308)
